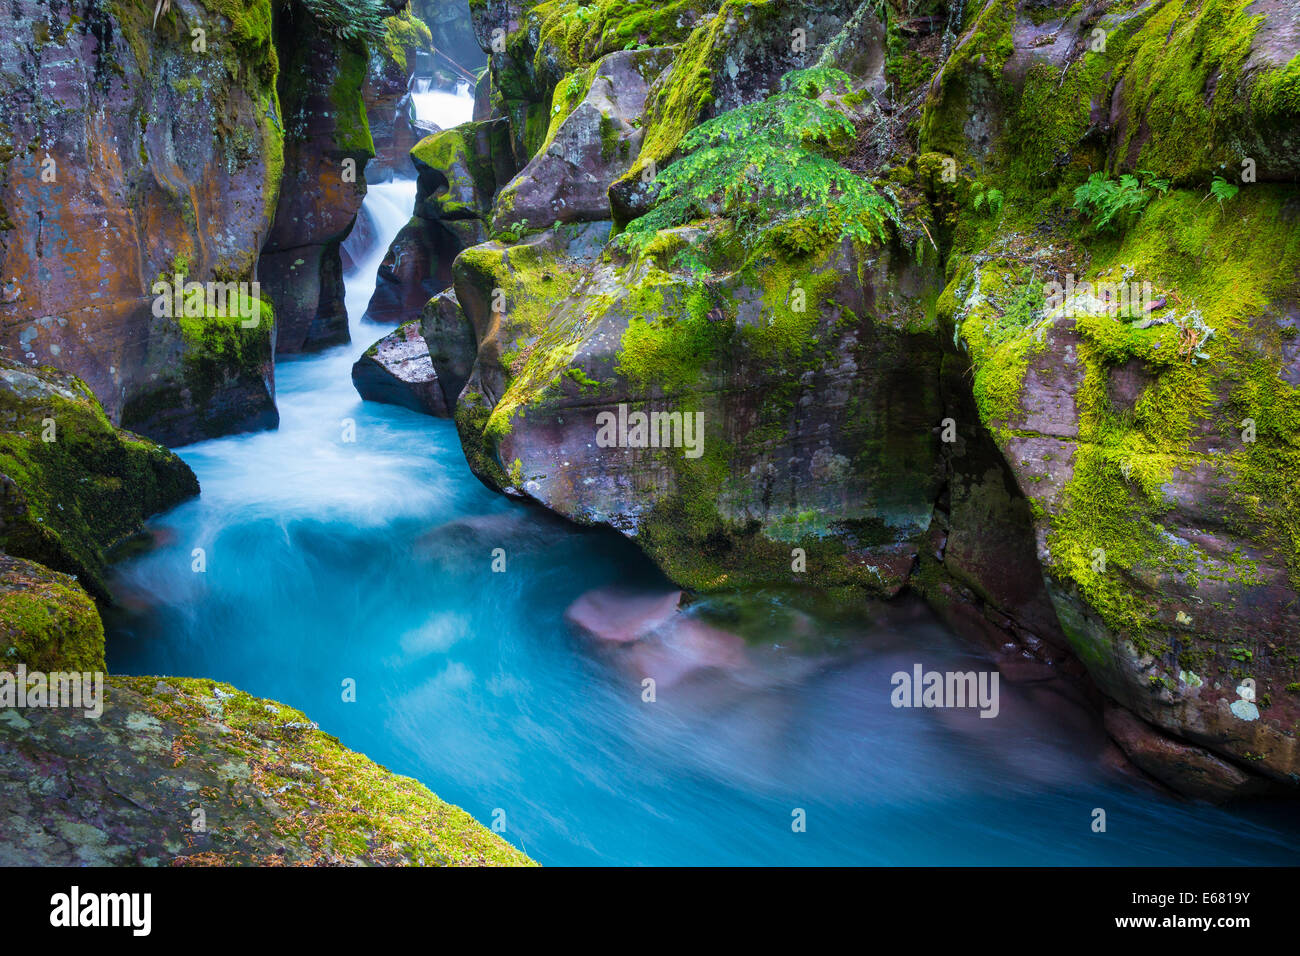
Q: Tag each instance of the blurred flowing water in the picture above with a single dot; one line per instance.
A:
(371, 560)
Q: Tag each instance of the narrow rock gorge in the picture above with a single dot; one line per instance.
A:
(829, 229)
(791, 344)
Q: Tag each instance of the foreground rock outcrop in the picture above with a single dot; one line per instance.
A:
(196, 773)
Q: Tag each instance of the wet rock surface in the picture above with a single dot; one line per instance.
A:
(71, 485)
(326, 147)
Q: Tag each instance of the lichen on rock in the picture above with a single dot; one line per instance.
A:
(186, 772)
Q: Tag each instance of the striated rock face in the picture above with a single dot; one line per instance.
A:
(1165, 534)
(327, 146)
(71, 485)
(128, 157)
(192, 772)
(396, 370)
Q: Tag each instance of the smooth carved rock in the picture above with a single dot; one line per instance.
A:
(1185, 767)
(457, 175)
(415, 267)
(327, 145)
(812, 468)
(569, 179)
(450, 339)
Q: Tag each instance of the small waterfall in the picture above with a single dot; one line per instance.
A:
(386, 209)
(439, 109)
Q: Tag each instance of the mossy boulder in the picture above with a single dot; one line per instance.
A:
(73, 485)
(1182, 88)
(456, 176)
(458, 173)
(47, 621)
(816, 381)
(192, 772)
(215, 372)
(593, 138)
(1158, 452)
(125, 150)
(726, 55)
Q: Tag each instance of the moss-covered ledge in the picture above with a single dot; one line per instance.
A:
(190, 772)
(72, 485)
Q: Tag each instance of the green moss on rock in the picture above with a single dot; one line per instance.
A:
(187, 772)
(47, 621)
(75, 484)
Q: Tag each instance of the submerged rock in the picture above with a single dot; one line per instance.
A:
(650, 636)
(610, 615)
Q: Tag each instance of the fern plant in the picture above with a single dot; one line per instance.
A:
(990, 199)
(351, 19)
(1223, 191)
(770, 164)
(1111, 204)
